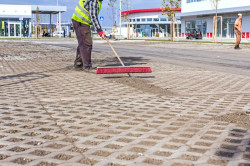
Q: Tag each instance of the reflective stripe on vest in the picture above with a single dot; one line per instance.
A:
(82, 15)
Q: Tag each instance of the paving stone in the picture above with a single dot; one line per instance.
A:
(51, 114)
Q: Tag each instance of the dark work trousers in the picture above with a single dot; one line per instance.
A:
(84, 49)
(238, 38)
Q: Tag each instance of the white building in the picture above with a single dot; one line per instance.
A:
(16, 20)
(198, 14)
(149, 22)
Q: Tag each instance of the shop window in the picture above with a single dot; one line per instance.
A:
(149, 19)
(190, 1)
(227, 27)
(201, 25)
(3, 28)
(190, 26)
(25, 28)
(198, 25)
(163, 19)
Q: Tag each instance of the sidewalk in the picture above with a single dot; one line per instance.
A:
(176, 116)
(198, 40)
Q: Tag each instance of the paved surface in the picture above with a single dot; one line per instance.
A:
(189, 111)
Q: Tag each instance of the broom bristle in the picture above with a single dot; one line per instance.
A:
(126, 69)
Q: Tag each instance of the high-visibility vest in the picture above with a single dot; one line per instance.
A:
(82, 15)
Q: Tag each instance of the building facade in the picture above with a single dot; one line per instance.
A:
(16, 20)
(198, 15)
(149, 22)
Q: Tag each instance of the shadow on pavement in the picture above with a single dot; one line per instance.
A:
(30, 77)
(128, 61)
(236, 146)
(126, 76)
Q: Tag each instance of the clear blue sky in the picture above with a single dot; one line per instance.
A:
(136, 4)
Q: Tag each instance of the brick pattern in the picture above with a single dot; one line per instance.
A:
(52, 114)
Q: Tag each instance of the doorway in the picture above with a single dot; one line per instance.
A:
(14, 29)
(231, 30)
(155, 32)
(228, 28)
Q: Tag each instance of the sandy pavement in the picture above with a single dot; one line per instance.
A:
(51, 114)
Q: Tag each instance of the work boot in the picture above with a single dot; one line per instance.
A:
(78, 66)
(88, 69)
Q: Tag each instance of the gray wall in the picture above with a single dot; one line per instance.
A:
(246, 23)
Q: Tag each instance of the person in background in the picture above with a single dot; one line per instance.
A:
(86, 15)
(238, 30)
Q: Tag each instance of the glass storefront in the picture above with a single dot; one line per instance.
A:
(3, 28)
(14, 28)
(227, 27)
(201, 25)
(25, 27)
(198, 25)
(154, 30)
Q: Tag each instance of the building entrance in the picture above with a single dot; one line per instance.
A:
(155, 32)
(14, 29)
(227, 27)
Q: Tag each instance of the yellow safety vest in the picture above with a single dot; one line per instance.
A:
(82, 15)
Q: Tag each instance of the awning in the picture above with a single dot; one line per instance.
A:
(48, 9)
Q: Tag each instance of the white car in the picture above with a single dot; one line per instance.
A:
(59, 34)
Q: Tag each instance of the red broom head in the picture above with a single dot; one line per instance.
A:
(126, 69)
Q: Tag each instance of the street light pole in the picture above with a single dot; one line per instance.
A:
(58, 22)
(120, 19)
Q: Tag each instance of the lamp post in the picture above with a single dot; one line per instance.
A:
(58, 22)
(120, 19)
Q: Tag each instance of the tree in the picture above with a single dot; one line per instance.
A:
(215, 4)
(169, 8)
(127, 6)
(112, 14)
(45, 28)
(37, 21)
(112, 6)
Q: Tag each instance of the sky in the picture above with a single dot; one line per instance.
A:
(135, 4)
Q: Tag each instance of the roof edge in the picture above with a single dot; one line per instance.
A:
(145, 10)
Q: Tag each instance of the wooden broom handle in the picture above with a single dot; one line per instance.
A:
(115, 52)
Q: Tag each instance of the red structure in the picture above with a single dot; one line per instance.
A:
(145, 10)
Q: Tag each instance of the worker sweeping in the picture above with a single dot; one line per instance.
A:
(238, 30)
(85, 16)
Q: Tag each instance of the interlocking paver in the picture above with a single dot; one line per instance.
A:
(51, 114)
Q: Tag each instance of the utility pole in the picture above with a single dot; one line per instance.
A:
(120, 19)
(57, 23)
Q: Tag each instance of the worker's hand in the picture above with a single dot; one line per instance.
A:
(103, 36)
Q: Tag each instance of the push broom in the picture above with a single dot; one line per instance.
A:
(123, 68)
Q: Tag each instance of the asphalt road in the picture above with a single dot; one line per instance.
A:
(216, 57)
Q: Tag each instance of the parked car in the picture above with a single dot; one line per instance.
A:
(196, 34)
(46, 34)
(60, 34)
